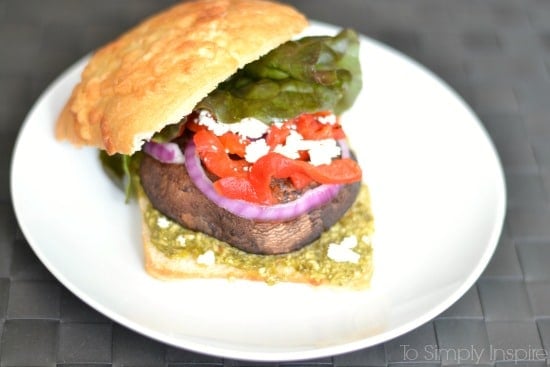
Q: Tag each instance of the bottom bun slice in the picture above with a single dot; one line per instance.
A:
(174, 252)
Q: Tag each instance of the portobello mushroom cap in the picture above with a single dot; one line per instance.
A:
(172, 192)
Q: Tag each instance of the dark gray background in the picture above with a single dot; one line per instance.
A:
(496, 54)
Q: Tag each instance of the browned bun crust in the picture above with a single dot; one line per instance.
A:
(173, 193)
(157, 72)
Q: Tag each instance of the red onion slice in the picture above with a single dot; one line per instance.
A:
(311, 199)
(164, 152)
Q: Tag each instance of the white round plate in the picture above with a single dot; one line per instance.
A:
(438, 198)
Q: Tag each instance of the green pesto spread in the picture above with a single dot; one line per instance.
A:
(312, 261)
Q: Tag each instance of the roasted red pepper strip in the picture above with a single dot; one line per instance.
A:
(234, 144)
(214, 156)
(339, 171)
(300, 180)
(239, 188)
(275, 165)
(312, 129)
(277, 135)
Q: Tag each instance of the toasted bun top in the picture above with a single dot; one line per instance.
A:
(155, 74)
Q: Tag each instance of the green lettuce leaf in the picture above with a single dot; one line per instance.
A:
(122, 170)
(307, 75)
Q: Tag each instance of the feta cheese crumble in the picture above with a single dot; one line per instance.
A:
(327, 120)
(320, 151)
(292, 145)
(206, 119)
(343, 252)
(208, 258)
(163, 223)
(249, 128)
(181, 240)
(246, 128)
(255, 150)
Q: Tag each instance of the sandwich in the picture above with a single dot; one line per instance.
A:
(227, 128)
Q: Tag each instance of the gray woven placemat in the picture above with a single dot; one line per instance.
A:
(496, 54)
